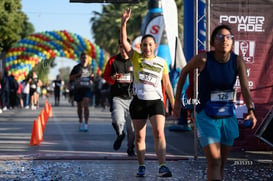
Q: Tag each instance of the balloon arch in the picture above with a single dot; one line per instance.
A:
(38, 47)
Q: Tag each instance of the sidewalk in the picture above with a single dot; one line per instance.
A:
(67, 154)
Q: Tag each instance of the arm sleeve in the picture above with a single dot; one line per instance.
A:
(165, 69)
(107, 72)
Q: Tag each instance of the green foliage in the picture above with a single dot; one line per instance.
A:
(106, 25)
(64, 74)
(42, 69)
(14, 23)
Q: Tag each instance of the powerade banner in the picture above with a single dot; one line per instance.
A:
(252, 26)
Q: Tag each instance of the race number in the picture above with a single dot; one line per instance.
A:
(222, 96)
(147, 78)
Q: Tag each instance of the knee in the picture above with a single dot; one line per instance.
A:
(159, 135)
(139, 138)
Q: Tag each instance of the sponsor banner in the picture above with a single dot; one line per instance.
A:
(252, 27)
(155, 27)
(171, 25)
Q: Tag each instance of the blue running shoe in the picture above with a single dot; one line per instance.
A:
(164, 171)
(141, 171)
(85, 128)
(81, 127)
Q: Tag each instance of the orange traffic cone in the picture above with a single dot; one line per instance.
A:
(45, 114)
(37, 133)
(46, 107)
(41, 118)
(46, 101)
(50, 113)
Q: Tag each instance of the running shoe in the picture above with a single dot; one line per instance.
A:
(85, 129)
(131, 152)
(164, 171)
(141, 171)
(81, 127)
(118, 141)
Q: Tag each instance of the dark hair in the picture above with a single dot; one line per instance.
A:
(216, 30)
(148, 36)
(83, 54)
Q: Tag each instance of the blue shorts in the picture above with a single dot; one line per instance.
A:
(211, 130)
(81, 93)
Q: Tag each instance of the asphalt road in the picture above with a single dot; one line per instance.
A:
(67, 154)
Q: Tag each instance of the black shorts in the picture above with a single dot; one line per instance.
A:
(143, 109)
(82, 93)
(32, 91)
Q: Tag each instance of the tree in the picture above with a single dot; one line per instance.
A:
(64, 73)
(42, 69)
(14, 23)
(106, 25)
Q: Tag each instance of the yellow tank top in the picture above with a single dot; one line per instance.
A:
(148, 75)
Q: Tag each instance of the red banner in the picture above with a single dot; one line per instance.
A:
(252, 26)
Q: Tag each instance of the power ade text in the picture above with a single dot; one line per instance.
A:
(245, 23)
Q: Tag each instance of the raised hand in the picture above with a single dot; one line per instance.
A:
(126, 15)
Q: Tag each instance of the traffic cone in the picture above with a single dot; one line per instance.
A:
(44, 112)
(41, 118)
(46, 106)
(37, 133)
(50, 113)
(46, 101)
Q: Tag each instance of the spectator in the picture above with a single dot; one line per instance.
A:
(33, 91)
(5, 92)
(13, 91)
(57, 90)
(26, 92)
(20, 102)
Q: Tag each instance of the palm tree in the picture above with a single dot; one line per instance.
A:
(106, 25)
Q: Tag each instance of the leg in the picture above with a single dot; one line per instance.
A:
(140, 134)
(213, 155)
(58, 98)
(55, 98)
(79, 110)
(130, 132)
(225, 150)
(86, 109)
(118, 121)
(158, 123)
(118, 116)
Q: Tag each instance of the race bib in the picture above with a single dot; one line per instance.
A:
(222, 96)
(148, 78)
(83, 82)
(125, 78)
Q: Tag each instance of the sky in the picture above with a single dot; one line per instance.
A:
(51, 15)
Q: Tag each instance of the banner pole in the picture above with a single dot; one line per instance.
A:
(208, 25)
(195, 79)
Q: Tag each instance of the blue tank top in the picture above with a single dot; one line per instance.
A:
(216, 76)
